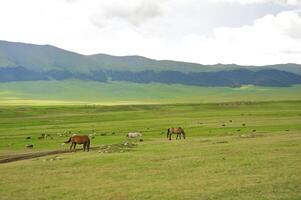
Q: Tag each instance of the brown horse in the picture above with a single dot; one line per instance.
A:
(178, 130)
(79, 139)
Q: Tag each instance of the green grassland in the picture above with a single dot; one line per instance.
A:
(235, 150)
(112, 93)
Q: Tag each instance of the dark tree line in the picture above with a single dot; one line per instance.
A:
(231, 78)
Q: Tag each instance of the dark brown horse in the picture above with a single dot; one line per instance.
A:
(178, 130)
(79, 139)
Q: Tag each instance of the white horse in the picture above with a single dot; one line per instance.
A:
(134, 135)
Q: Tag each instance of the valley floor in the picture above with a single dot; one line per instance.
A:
(78, 92)
(263, 167)
(240, 150)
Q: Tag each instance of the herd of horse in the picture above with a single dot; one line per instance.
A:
(85, 140)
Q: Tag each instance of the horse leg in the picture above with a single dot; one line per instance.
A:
(170, 136)
(177, 136)
(71, 146)
(88, 146)
(74, 146)
(180, 136)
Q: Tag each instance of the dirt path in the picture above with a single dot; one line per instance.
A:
(26, 156)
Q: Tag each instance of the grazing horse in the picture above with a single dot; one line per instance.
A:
(134, 134)
(79, 139)
(179, 131)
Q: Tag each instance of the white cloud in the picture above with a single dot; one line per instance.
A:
(271, 39)
(289, 2)
(190, 30)
(133, 11)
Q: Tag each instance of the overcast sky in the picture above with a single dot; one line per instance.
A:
(248, 32)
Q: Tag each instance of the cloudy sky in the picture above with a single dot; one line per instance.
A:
(248, 32)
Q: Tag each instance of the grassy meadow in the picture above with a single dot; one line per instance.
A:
(234, 150)
(72, 92)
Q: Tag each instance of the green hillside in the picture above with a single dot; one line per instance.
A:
(75, 91)
(42, 58)
(139, 63)
(48, 58)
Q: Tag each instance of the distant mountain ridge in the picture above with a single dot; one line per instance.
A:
(29, 62)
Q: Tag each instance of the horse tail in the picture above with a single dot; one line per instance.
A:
(68, 140)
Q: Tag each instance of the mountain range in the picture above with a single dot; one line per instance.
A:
(30, 62)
